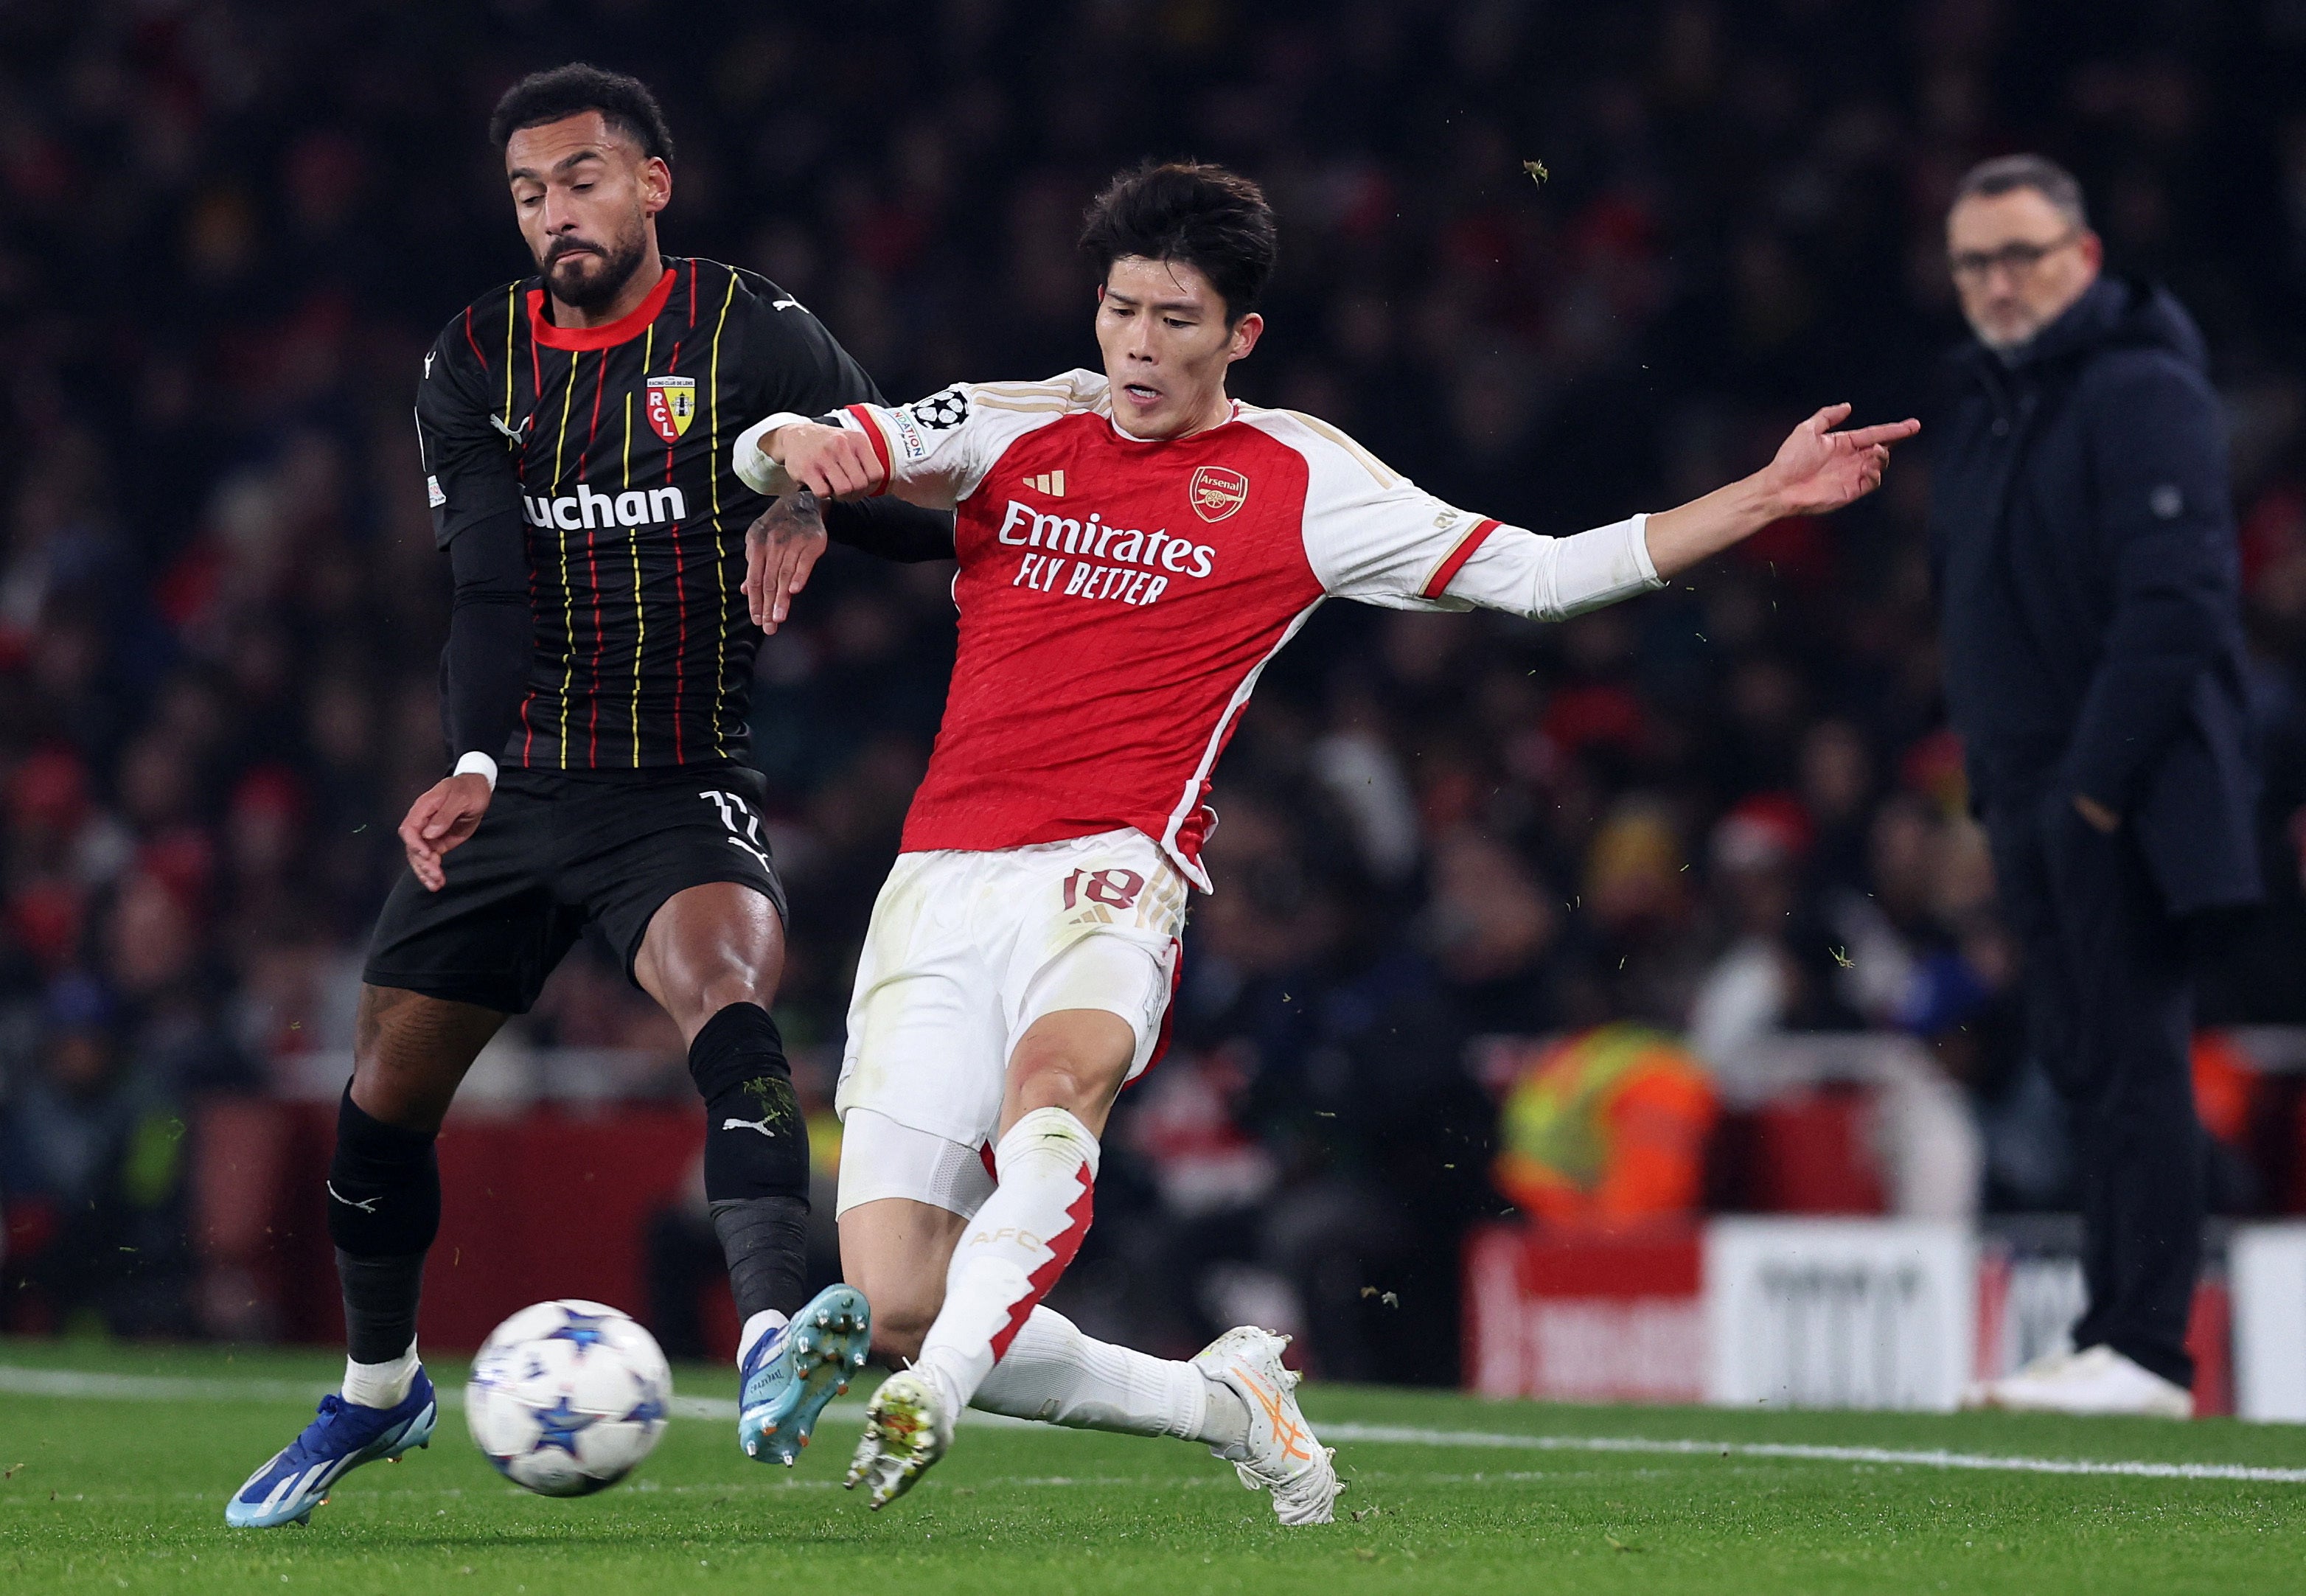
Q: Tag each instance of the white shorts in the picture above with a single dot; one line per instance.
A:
(967, 949)
(880, 1158)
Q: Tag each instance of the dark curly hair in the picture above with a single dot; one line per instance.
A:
(624, 103)
(1216, 221)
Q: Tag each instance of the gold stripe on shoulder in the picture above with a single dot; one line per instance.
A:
(1386, 475)
(1025, 389)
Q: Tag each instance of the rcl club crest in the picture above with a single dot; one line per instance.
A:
(671, 405)
(1219, 491)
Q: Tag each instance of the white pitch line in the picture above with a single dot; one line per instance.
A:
(153, 1388)
(1404, 1436)
(139, 1387)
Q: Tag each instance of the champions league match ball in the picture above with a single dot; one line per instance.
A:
(567, 1397)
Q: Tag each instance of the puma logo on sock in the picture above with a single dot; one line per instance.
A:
(368, 1206)
(761, 1124)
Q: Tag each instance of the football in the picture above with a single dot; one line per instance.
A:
(567, 1397)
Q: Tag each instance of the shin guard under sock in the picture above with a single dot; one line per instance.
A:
(1013, 1250)
(765, 1240)
(755, 1157)
(384, 1209)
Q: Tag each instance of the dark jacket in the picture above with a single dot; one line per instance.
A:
(2082, 536)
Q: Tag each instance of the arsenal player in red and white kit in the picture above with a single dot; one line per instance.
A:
(1134, 546)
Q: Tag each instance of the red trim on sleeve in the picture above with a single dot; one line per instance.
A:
(1464, 551)
(880, 447)
(630, 325)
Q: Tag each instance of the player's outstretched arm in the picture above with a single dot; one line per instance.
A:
(1816, 470)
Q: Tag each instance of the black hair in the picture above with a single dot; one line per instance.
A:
(1214, 220)
(624, 103)
(2006, 173)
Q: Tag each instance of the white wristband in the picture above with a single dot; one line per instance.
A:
(477, 764)
(754, 468)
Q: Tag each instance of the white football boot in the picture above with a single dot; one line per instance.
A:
(2098, 1380)
(1282, 1455)
(906, 1430)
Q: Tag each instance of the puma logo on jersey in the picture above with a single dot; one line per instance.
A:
(367, 1205)
(743, 829)
(762, 1125)
(1052, 483)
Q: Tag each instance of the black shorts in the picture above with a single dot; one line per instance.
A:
(558, 851)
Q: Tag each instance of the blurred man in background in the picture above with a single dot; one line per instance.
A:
(2084, 548)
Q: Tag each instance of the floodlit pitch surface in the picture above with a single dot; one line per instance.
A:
(127, 1456)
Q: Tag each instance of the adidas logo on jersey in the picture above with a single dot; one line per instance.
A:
(1052, 483)
(574, 512)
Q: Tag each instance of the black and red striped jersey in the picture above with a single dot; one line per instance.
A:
(611, 443)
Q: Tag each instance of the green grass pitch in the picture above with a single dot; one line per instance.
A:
(106, 1492)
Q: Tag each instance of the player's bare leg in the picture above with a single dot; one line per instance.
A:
(410, 1054)
(712, 957)
(896, 1252)
(708, 947)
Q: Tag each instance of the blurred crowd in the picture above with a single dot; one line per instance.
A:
(227, 232)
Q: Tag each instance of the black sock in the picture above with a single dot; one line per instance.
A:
(384, 1209)
(381, 1295)
(765, 1240)
(756, 1156)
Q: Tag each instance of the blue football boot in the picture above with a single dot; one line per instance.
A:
(783, 1386)
(342, 1438)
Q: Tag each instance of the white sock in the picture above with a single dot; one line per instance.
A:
(1012, 1251)
(768, 1321)
(1226, 1427)
(1053, 1373)
(380, 1385)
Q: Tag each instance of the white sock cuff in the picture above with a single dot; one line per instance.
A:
(1053, 1133)
(768, 1321)
(380, 1385)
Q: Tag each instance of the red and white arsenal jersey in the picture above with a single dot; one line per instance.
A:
(1118, 597)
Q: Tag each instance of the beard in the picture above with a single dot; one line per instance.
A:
(588, 278)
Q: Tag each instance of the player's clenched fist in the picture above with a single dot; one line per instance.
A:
(832, 461)
(448, 814)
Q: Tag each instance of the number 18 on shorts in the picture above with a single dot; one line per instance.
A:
(967, 949)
